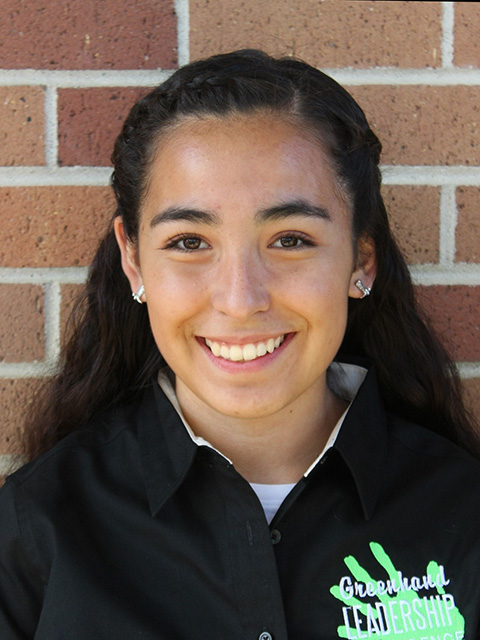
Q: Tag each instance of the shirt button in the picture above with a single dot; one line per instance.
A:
(265, 636)
(276, 536)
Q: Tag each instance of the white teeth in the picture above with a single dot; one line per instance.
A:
(247, 352)
(236, 353)
(225, 352)
(261, 349)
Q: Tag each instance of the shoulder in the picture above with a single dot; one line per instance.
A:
(420, 441)
(420, 457)
(103, 437)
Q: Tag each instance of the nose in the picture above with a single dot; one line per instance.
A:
(241, 286)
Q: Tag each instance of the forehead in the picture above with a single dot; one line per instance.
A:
(253, 157)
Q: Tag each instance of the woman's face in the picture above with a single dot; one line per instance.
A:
(245, 251)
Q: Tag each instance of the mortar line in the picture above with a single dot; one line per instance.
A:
(458, 274)
(428, 274)
(9, 462)
(182, 11)
(448, 224)
(25, 370)
(448, 20)
(435, 175)
(51, 127)
(468, 369)
(52, 322)
(78, 79)
(47, 275)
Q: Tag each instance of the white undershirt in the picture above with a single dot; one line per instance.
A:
(343, 379)
(271, 496)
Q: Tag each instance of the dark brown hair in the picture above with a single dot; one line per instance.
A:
(111, 355)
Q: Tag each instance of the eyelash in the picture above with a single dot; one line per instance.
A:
(305, 241)
(174, 243)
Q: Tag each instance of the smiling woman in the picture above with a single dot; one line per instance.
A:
(275, 385)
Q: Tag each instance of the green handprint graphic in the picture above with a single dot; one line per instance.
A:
(397, 608)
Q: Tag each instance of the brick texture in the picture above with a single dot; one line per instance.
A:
(468, 224)
(327, 34)
(453, 311)
(15, 397)
(424, 124)
(414, 216)
(467, 34)
(89, 120)
(87, 34)
(22, 126)
(22, 337)
(69, 295)
(417, 124)
(52, 226)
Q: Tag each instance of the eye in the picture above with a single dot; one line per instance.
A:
(186, 243)
(287, 242)
(292, 241)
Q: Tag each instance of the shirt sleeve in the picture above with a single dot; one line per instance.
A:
(21, 582)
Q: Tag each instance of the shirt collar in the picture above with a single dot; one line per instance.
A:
(167, 452)
(363, 442)
(168, 445)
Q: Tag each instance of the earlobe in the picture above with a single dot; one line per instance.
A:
(363, 277)
(129, 261)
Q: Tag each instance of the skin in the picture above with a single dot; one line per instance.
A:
(244, 235)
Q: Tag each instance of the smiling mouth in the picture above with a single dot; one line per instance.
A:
(245, 352)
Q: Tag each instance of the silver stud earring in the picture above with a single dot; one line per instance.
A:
(138, 295)
(365, 290)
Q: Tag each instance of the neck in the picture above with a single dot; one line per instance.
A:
(274, 449)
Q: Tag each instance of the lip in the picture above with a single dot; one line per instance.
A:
(230, 341)
(244, 366)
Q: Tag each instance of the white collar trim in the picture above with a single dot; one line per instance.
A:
(343, 379)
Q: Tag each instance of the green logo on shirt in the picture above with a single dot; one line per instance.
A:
(399, 607)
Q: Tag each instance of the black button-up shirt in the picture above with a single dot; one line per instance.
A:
(127, 529)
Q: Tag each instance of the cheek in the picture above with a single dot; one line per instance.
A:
(171, 301)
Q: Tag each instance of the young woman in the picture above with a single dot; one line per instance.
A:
(267, 441)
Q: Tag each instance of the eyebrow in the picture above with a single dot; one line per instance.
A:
(294, 208)
(275, 213)
(186, 214)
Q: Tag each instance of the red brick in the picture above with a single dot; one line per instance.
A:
(424, 124)
(22, 126)
(87, 34)
(453, 311)
(472, 396)
(326, 34)
(22, 337)
(52, 226)
(69, 296)
(15, 397)
(468, 224)
(414, 214)
(467, 34)
(89, 120)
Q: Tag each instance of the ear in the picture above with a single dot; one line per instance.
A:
(365, 268)
(128, 252)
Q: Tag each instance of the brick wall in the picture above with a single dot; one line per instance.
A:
(69, 71)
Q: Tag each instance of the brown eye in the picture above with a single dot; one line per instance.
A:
(191, 243)
(287, 242)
